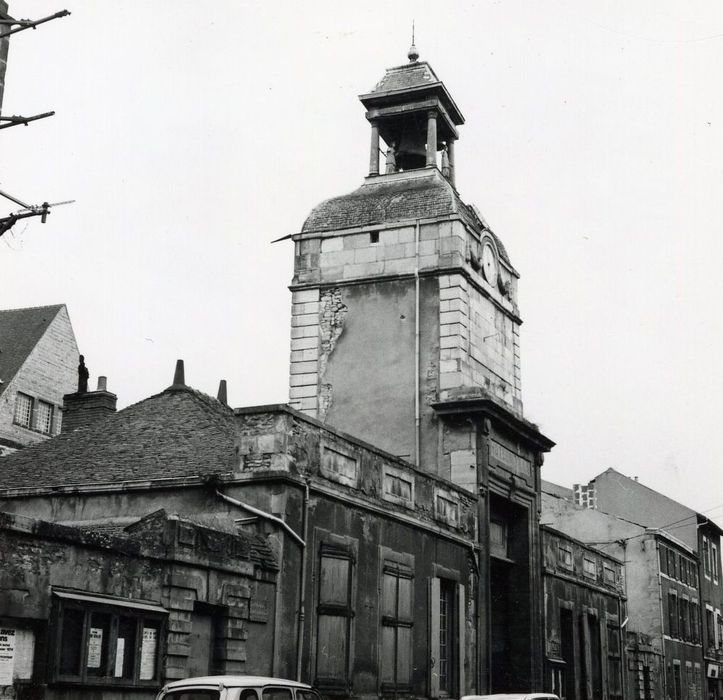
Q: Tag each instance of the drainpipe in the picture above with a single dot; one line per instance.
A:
(416, 347)
(302, 546)
(302, 584)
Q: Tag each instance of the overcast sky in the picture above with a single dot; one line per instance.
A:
(193, 134)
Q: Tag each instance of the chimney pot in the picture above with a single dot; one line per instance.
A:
(222, 392)
(102, 383)
(179, 377)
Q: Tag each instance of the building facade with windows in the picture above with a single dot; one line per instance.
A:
(615, 493)
(585, 607)
(38, 366)
(405, 333)
(664, 635)
(384, 553)
(98, 609)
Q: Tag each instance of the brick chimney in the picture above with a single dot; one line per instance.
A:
(83, 409)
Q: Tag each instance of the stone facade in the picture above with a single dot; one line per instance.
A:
(42, 345)
(584, 609)
(134, 593)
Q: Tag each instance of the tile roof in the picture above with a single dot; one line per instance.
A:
(177, 433)
(384, 200)
(405, 77)
(20, 331)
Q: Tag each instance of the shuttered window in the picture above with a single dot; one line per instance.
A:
(334, 617)
(397, 623)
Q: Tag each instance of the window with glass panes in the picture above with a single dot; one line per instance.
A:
(672, 614)
(397, 623)
(44, 417)
(98, 643)
(23, 410)
(446, 635)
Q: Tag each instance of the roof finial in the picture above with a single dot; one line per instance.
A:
(413, 54)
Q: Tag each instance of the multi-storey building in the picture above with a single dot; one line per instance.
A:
(615, 493)
(664, 637)
(38, 366)
(584, 609)
(405, 332)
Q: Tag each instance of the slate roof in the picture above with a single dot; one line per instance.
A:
(409, 75)
(20, 331)
(177, 433)
(382, 201)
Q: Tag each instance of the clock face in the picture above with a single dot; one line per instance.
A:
(489, 264)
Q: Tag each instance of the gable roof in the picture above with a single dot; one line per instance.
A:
(20, 331)
(177, 433)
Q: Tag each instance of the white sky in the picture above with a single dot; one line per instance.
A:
(193, 134)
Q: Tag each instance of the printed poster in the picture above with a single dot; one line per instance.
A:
(149, 647)
(7, 656)
(120, 649)
(95, 644)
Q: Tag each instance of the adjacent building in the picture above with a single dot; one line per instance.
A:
(584, 609)
(38, 366)
(617, 494)
(668, 654)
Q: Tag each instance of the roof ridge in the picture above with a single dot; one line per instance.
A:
(35, 308)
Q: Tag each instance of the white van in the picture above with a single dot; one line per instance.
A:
(237, 688)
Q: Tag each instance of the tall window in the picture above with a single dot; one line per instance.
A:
(111, 643)
(694, 626)
(44, 417)
(24, 410)
(706, 556)
(334, 616)
(710, 626)
(683, 619)
(615, 682)
(677, 682)
(447, 637)
(397, 621)
(672, 614)
(714, 561)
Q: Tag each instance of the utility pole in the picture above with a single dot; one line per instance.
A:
(8, 27)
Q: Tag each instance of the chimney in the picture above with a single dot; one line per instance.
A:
(222, 396)
(81, 410)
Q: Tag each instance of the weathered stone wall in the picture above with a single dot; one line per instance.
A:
(173, 564)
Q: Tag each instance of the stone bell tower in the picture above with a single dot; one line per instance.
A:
(405, 333)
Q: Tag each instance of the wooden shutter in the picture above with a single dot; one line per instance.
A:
(461, 638)
(434, 637)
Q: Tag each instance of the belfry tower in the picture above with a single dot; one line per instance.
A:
(405, 333)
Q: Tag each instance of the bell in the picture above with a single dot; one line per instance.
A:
(411, 152)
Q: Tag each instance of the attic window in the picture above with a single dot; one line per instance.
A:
(23, 410)
(374, 237)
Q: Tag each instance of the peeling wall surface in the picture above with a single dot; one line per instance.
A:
(376, 514)
(138, 592)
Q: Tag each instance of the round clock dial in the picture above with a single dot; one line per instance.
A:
(489, 264)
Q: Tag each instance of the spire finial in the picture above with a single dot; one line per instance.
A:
(413, 54)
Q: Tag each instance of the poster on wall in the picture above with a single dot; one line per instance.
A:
(95, 643)
(149, 646)
(120, 649)
(7, 656)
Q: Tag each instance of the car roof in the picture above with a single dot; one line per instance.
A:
(513, 696)
(234, 682)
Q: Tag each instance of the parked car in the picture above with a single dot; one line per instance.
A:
(237, 688)
(513, 696)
